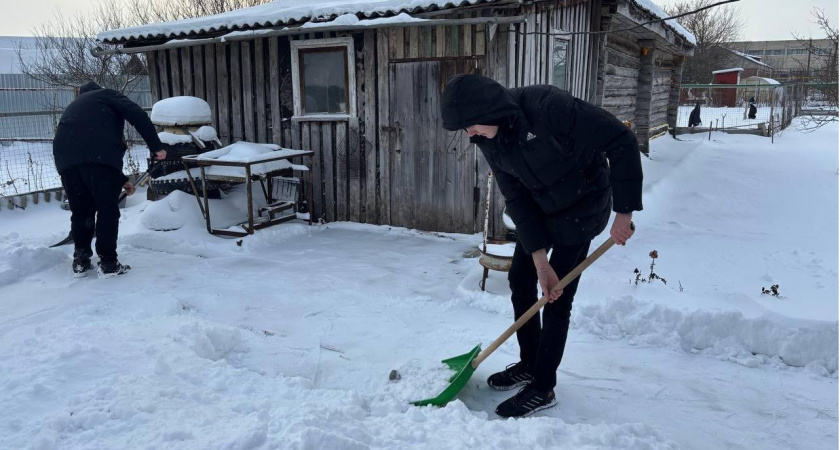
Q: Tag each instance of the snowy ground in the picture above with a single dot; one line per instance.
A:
(287, 340)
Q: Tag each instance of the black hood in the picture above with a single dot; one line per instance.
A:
(471, 100)
(92, 86)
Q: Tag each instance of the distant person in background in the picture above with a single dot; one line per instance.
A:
(88, 149)
(694, 118)
(753, 110)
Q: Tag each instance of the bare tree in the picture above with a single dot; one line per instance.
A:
(63, 43)
(822, 69)
(63, 47)
(711, 27)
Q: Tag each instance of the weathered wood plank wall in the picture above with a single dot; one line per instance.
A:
(248, 86)
(660, 95)
(622, 76)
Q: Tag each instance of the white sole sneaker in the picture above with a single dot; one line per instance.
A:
(112, 274)
(507, 388)
(536, 410)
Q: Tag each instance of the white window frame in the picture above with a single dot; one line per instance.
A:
(346, 42)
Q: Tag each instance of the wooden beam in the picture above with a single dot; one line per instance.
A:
(186, 71)
(175, 71)
(237, 129)
(643, 97)
(368, 141)
(248, 103)
(383, 120)
(198, 72)
(274, 88)
(223, 90)
(260, 100)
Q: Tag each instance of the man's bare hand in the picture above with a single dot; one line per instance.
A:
(548, 279)
(622, 228)
(129, 188)
(546, 275)
(160, 155)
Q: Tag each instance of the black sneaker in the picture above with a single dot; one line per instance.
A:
(514, 375)
(526, 402)
(81, 267)
(111, 269)
(81, 262)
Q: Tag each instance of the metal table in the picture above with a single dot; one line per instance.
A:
(264, 171)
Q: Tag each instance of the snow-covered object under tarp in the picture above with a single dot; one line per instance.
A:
(207, 134)
(248, 152)
(182, 110)
(172, 138)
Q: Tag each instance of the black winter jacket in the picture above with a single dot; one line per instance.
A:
(550, 157)
(91, 129)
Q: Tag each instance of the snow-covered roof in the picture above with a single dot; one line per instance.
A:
(750, 58)
(758, 80)
(655, 10)
(736, 69)
(277, 13)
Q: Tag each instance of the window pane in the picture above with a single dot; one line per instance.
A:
(561, 51)
(324, 75)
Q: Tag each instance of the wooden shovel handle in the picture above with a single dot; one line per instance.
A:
(537, 306)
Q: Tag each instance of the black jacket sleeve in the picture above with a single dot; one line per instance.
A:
(523, 209)
(625, 172)
(591, 128)
(138, 118)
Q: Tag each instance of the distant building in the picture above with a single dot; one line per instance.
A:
(752, 66)
(790, 59)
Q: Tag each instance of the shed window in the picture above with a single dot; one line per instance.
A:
(323, 77)
(560, 61)
(323, 81)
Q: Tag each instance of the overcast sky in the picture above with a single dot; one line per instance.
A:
(764, 19)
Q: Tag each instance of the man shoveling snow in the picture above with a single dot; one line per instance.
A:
(88, 151)
(548, 152)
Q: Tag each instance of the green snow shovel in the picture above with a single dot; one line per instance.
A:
(464, 365)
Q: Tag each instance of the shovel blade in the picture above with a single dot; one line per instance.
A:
(462, 365)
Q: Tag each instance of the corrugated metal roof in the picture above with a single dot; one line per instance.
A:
(277, 13)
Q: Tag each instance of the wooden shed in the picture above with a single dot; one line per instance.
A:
(359, 84)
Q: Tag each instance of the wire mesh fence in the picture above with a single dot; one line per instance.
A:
(29, 113)
(753, 108)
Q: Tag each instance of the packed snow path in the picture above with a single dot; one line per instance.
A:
(287, 340)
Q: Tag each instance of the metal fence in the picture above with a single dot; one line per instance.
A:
(760, 109)
(29, 113)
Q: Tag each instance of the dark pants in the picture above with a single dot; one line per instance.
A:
(93, 191)
(542, 346)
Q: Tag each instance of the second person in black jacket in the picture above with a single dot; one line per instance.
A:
(562, 165)
(88, 149)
